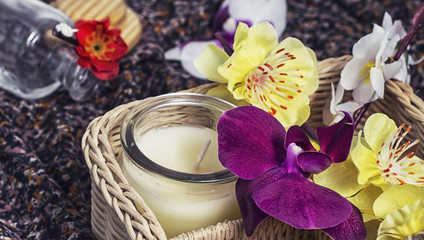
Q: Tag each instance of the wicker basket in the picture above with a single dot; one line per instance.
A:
(114, 214)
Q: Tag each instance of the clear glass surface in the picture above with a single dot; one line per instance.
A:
(33, 63)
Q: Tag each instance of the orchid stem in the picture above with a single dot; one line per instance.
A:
(361, 114)
(227, 48)
(417, 21)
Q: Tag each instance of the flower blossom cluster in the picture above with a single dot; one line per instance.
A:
(368, 186)
(371, 66)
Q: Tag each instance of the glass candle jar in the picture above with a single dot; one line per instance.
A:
(171, 158)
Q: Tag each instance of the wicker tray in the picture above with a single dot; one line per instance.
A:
(114, 214)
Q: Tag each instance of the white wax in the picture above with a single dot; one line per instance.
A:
(182, 207)
(178, 148)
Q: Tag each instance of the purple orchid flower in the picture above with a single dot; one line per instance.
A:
(274, 167)
(225, 23)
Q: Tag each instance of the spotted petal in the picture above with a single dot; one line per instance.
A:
(301, 203)
(281, 83)
(413, 169)
(289, 112)
(250, 141)
(251, 48)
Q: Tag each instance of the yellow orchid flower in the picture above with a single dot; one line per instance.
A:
(381, 156)
(382, 162)
(276, 77)
(402, 208)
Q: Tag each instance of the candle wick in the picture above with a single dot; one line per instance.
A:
(201, 155)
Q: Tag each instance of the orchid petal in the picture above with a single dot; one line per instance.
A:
(251, 49)
(364, 201)
(351, 75)
(336, 97)
(291, 164)
(414, 165)
(402, 73)
(377, 129)
(315, 206)
(252, 214)
(235, 70)
(337, 108)
(335, 140)
(282, 94)
(341, 178)
(313, 162)
(173, 53)
(192, 50)
(364, 159)
(364, 93)
(403, 222)
(396, 197)
(221, 16)
(297, 135)
(397, 30)
(349, 107)
(297, 111)
(377, 81)
(208, 61)
(372, 228)
(368, 46)
(310, 69)
(250, 141)
(392, 69)
(387, 21)
(352, 228)
(274, 11)
(383, 47)
(305, 61)
(260, 41)
(240, 35)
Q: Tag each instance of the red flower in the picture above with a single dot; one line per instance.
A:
(100, 48)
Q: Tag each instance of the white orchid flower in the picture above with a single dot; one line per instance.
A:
(226, 20)
(367, 71)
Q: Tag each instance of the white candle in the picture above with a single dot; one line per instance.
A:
(178, 148)
(183, 196)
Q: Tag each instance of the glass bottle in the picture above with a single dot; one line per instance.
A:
(33, 63)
